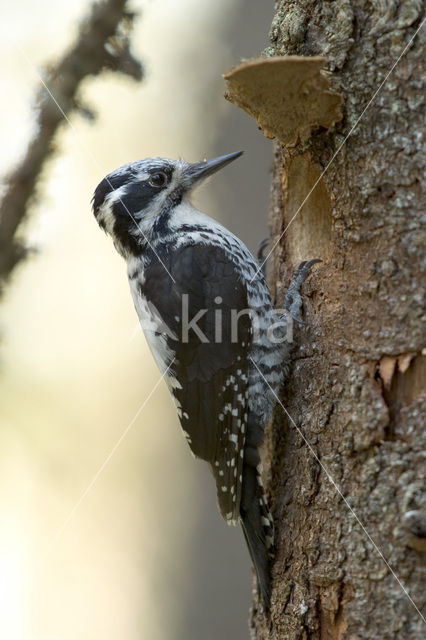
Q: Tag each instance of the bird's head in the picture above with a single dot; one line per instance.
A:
(132, 202)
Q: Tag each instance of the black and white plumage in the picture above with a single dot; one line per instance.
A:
(183, 265)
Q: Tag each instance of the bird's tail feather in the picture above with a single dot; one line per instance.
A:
(258, 528)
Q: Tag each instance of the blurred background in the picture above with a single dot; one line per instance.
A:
(104, 536)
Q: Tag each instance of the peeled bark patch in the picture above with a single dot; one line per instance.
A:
(289, 96)
(307, 210)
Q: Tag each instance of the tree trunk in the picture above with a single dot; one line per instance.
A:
(344, 479)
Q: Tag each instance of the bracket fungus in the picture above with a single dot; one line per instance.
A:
(289, 96)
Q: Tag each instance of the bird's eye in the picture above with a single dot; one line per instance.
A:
(158, 179)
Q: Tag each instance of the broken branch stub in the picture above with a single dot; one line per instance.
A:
(289, 96)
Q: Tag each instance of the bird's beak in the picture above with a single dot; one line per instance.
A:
(199, 170)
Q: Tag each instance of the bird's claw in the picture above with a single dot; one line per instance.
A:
(260, 254)
(293, 299)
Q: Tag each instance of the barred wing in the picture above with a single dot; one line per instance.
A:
(209, 379)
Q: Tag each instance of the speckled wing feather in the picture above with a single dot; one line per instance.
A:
(209, 379)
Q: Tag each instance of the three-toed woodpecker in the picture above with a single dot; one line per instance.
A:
(208, 317)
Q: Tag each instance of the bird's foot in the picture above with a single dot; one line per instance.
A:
(261, 254)
(293, 299)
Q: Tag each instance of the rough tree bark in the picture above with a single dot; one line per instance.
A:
(356, 389)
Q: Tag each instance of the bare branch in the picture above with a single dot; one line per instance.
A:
(102, 44)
